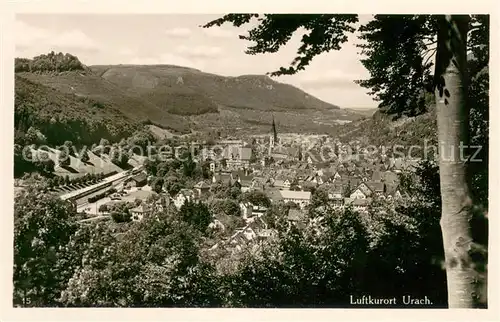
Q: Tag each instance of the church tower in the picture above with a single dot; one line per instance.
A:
(273, 138)
(275, 133)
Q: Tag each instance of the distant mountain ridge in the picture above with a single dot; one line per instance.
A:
(176, 98)
(245, 91)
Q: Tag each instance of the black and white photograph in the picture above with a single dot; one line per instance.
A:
(250, 160)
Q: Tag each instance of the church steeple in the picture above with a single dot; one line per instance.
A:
(275, 133)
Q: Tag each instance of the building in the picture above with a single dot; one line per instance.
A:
(282, 184)
(223, 178)
(358, 204)
(378, 188)
(361, 192)
(300, 198)
(295, 215)
(183, 196)
(238, 157)
(335, 192)
(140, 211)
(231, 142)
(139, 180)
(202, 188)
(249, 210)
(246, 209)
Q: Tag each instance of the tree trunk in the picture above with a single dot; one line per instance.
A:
(453, 124)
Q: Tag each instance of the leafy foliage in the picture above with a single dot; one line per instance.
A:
(51, 62)
(323, 34)
(397, 61)
(257, 198)
(196, 214)
(43, 230)
(46, 116)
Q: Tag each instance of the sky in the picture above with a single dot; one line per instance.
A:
(179, 40)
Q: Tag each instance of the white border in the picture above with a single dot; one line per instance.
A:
(8, 11)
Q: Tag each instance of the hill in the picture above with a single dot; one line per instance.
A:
(175, 84)
(60, 116)
(368, 112)
(84, 104)
(381, 129)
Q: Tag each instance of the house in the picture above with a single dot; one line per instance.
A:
(246, 209)
(390, 177)
(303, 166)
(361, 192)
(259, 210)
(183, 196)
(216, 225)
(314, 157)
(295, 215)
(139, 180)
(161, 203)
(282, 184)
(393, 192)
(246, 181)
(274, 195)
(319, 179)
(266, 233)
(140, 211)
(337, 176)
(279, 156)
(376, 176)
(223, 178)
(378, 188)
(238, 156)
(301, 198)
(358, 204)
(308, 185)
(242, 236)
(202, 188)
(335, 192)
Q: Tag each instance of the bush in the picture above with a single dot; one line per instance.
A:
(103, 208)
(121, 217)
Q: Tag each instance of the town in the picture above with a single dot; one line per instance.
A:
(171, 167)
(287, 169)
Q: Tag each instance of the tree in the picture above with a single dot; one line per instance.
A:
(460, 247)
(205, 170)
(234, 192)
(173, 185)
(452, 86)
(64, 159)
(319, 197)
(196, 214)
(34, 136)
(227, 207)
(189, 166)
(161, 169)
(69, 147)
(120, 158)
(157, 184)
(43, 228)
(103, 208)
(121, 216)
(327, 32)
(84, 156)
(257, 198)
(142, 138)
(104, 142)
(151, 166)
